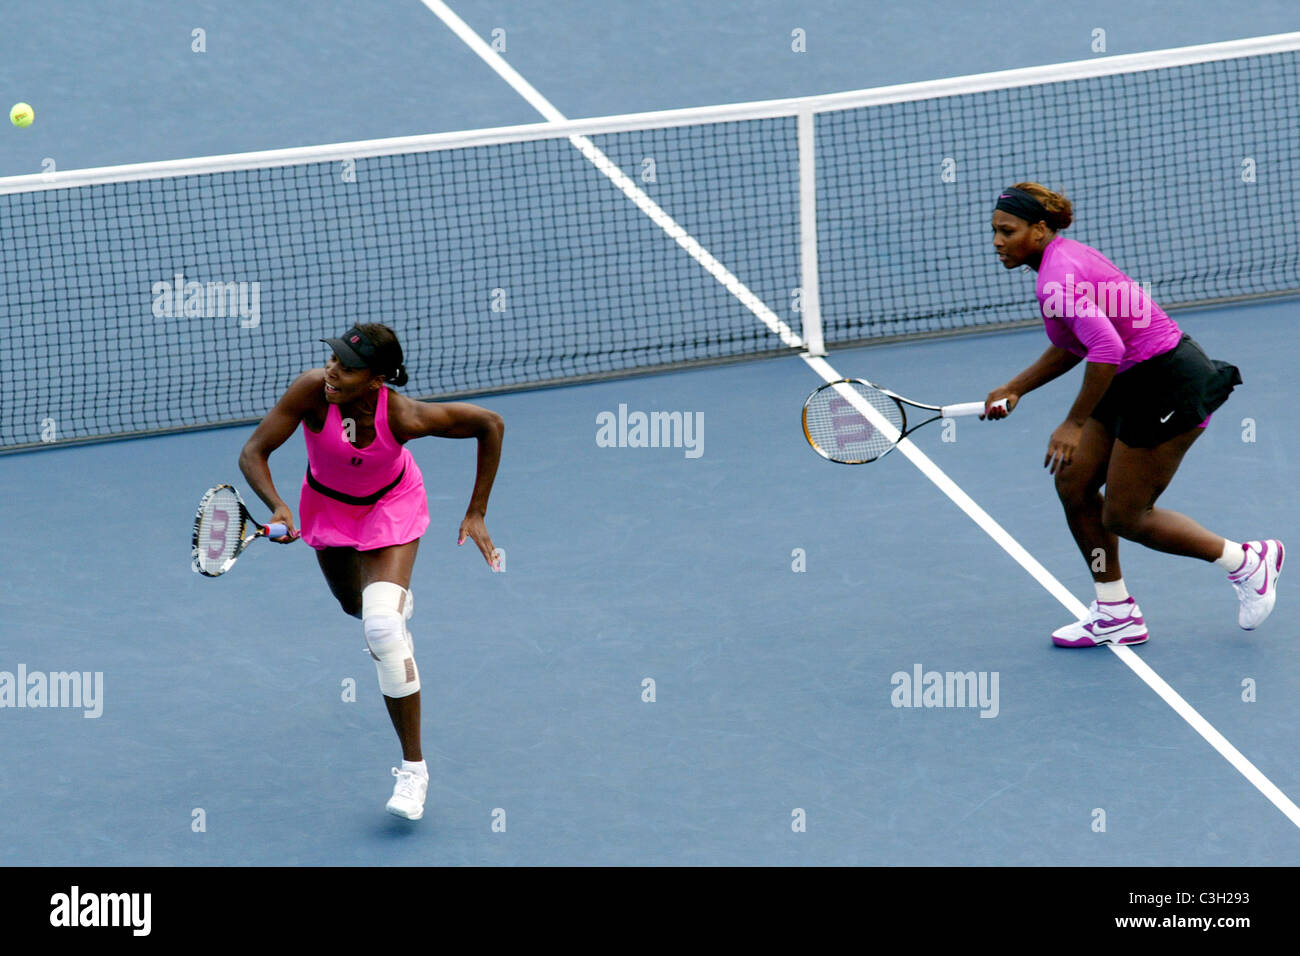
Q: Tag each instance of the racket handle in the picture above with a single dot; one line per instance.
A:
(965, 409)
(276, 530)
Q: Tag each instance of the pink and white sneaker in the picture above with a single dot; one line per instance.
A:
(1108, 622)
(1256, 581)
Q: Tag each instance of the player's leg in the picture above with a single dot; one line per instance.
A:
(1114, 617)
(1138, 476)
(387, 605)
(1078, 485)
(391, 609)
(342, 570)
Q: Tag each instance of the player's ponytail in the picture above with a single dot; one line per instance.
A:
(1060, 211)
(388, 353)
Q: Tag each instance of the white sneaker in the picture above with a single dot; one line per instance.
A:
(1108, 622)
(1256, 581)
(408, 795)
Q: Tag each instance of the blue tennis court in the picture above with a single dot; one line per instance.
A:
(697, 652)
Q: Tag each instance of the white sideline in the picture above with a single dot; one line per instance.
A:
(914, 454)
(617, 176)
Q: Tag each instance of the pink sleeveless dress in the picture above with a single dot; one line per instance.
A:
(363, 498)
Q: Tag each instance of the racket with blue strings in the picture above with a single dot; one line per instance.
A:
(838, 429)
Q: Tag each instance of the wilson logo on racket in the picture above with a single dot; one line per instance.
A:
(217, 533)
(843, 420)
(848, 424)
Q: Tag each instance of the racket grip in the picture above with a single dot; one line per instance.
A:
(276, 530)
(970, 408)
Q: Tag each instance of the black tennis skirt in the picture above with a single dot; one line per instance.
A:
(1166, 395)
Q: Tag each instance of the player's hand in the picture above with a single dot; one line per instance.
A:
(473, 527)
(998, 393)
(1061, 446)
(284, 516)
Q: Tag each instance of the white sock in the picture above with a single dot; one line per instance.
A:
(420, 769)
(1233, 556)
(1111, 592)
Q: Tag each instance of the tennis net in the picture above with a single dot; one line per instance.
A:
(186, 294)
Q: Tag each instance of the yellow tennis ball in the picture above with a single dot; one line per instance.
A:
(22, 114)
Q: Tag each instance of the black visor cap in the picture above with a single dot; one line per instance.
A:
(353, 349)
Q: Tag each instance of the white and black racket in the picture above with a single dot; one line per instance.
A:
(219, 531)
(837, 427)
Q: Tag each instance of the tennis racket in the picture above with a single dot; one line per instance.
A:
(219, 531)
(838, 429)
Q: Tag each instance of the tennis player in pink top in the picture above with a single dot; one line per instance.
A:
(1147, 394)
(363, 506)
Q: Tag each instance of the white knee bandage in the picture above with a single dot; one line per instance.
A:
(385, 609)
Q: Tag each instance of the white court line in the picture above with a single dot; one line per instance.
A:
(618, 177)
(824, 369)
(1058, 591)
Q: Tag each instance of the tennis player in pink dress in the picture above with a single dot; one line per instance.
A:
(1147, 395)
(363, 507)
